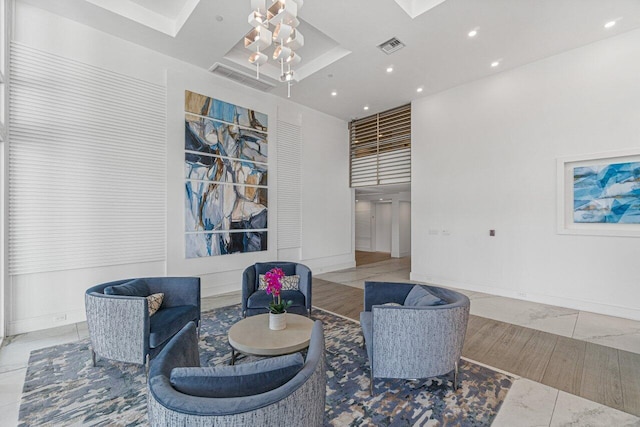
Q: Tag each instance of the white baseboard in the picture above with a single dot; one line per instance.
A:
(48, 321)
(332, 263)
(573, 303)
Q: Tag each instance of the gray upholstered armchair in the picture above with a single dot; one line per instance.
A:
(255, 301)
(262, 393)
(415, 340)
(120, 326)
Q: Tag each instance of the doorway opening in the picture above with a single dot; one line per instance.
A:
(382, 223)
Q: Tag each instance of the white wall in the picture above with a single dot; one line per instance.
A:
(488, 151)
(405, 229)
(383, 226)
(363, 235)
(327, 200)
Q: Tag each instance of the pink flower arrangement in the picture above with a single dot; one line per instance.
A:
(273, 278)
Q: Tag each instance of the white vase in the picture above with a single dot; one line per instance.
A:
(277, 322)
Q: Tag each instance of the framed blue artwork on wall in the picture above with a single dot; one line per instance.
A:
(599, 194)
(607, 193)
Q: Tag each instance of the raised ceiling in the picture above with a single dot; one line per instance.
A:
(341, 51)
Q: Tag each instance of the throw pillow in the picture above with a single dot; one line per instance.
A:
(246, 379)
(420, 297)
(289, 283)
(154, 301)
(133, 288)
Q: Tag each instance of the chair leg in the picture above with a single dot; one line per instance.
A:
(93, 358)
(146, 366)
(455, 377)
(371, 383)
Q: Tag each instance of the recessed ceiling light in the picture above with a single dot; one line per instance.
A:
(334, 93)
(380, 199)
(473, 33)
(219, 18)
(495, 64)
(389, 69)
(419, 90)
(610, 24)
(366, 107)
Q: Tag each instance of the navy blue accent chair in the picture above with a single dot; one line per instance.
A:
(120, 327)
(256, 302)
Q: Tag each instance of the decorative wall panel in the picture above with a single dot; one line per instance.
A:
(226, 199)
(289, 191)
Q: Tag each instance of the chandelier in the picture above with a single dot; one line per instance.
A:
(275, 24)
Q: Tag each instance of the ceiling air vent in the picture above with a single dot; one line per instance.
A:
(239, 77)
(391, 45)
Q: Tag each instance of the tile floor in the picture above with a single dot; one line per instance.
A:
(527, 404)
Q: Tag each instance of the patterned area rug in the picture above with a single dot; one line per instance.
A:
(62, 388)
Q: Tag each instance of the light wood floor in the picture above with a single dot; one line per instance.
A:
(363, 257)
(602, 374)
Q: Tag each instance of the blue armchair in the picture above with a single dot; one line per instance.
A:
(255, 301)
(413, 341)
(238, 395)
(120, 327)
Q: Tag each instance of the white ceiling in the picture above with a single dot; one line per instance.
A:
(340, 52)
(168, 8)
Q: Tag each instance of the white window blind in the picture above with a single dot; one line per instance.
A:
(87, 167)
(5, 14)
(289, 175)
(380, 147)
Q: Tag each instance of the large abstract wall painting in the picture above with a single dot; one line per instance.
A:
(607, 193)
(599, 194)
(226, 178)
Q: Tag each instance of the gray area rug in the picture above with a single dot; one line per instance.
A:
(62, 388)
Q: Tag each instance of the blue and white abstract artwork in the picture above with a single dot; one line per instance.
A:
(224, 243)
(607, 193)
(226, 161)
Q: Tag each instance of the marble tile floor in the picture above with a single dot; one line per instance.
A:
(610, 331)
(527, 404)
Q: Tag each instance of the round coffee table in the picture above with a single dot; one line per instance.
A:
(253, 336)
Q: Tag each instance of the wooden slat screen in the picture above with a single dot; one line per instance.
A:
(381, 148)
